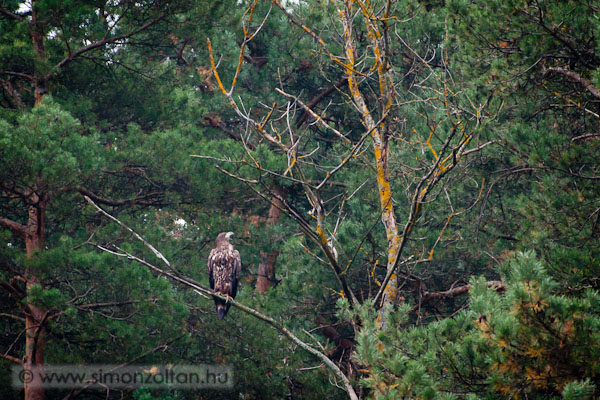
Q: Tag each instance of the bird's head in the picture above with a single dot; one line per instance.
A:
(223, 238)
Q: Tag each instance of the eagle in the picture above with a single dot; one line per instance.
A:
(224, 266)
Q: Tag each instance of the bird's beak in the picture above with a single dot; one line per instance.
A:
(229, 235)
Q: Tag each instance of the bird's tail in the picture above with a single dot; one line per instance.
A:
(222, 308)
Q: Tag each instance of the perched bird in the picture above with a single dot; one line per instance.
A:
(224, 265)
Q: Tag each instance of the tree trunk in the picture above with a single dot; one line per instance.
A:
(35, 340)
(378, 135)
(266, 268)
(39, 76)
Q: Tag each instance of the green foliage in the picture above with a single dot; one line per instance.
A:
(124, 118)
(529, 340)
(47, 145)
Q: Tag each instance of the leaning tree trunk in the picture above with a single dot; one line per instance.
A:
(266, 268)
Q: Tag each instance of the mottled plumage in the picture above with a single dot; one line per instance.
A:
(224, 265)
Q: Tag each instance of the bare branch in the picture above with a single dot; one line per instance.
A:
(457, 291)
(19, 74)
(588, 85)
(314, 115)
(15, 317)
(201, 289)
(113, 303)
(11, 14)
(475, 149)
(12, 359)
(118, 202)
(156, 252)
(317, 99)
(15, 227)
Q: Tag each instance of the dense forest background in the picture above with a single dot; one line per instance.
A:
(414, 187)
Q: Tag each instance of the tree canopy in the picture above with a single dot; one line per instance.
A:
(413, 187)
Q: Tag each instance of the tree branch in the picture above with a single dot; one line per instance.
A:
(113, 303)
(19, 74)
(12, 359)
(15, 227)
(156, 252)
(12, 289)
(317, 99)
(589, 86)
(216, 122)
(15, 317)
(457, 291)
(11, 14)
(102, 43)
(12, 93)
(116, 202)
(202, 290)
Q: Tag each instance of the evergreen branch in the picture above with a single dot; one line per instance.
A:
(106, 60)
(248, 310)
(102, 43)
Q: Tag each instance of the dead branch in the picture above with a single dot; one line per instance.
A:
(218, 123)
(248, 310)
(588, 85)
(12, 359)
(317, 99)
(428, 297)
(142, 200)
(15, 317)
(156, 252)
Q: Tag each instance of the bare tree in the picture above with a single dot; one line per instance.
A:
(377, 94)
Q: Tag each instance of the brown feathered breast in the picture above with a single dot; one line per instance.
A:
(224, 266)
